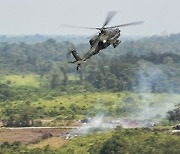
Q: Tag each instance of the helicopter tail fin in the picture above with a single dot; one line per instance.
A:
(75, 55)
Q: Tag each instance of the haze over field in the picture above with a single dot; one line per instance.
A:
(22, 17)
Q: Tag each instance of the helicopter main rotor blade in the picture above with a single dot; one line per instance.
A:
(128, 24)
(110, 15)
(72, 26)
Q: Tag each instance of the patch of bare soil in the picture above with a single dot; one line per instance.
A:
(28, 136)
(54, 142)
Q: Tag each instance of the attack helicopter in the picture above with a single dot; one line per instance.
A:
(107, 36)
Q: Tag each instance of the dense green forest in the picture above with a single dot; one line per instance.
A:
(139, 78)
(152, 61)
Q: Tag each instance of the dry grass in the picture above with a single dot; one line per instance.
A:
(27, 136)
(54, 142)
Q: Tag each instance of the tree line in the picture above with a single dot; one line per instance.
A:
(150, 64)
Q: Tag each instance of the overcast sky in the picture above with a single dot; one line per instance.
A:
(21, 17)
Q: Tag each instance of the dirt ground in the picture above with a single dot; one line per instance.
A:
(30, 136)
(54, 142)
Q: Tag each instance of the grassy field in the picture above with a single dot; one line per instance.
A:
(54, 142)
(23, 80)
(98, 100)
(82, 99)
(108, 100)
(30, 79)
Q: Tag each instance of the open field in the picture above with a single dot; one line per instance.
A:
(54, 142)
(23, 80)
(82, 104)
(104, 101)
(87, 99)
(38, 138)
(30, 79)
(29, 136)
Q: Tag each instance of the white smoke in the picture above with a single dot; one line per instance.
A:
(95, 125)
(153, 106)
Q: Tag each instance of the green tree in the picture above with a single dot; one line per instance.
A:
(174, 115)
(20, 115)
(54, 80)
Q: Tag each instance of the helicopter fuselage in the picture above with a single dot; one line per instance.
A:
(102, 41)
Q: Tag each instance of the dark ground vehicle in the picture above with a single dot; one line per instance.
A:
(177, 127)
